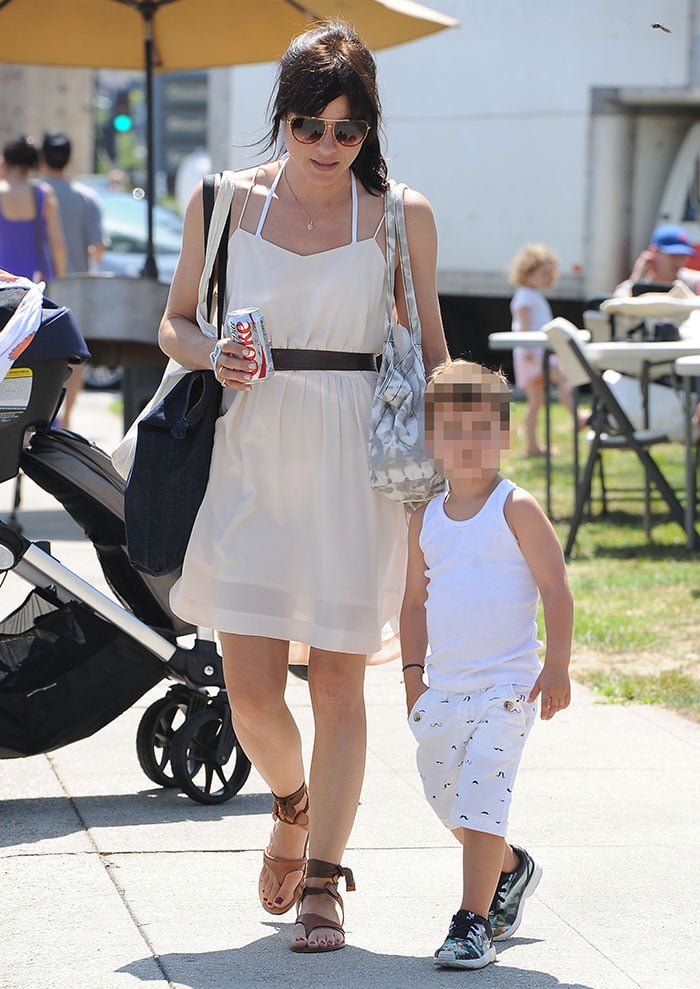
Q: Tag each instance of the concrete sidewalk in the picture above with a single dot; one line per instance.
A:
(108, 881)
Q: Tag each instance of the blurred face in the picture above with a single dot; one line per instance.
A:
(667, 266)
(467, 442)
(326, 160)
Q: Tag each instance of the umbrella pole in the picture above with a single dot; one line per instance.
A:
(150, 268)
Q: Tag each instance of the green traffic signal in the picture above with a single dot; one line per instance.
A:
(122, 123)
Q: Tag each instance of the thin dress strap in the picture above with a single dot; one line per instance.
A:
(382, 218)
(268, 199)
(271, 192)
(354, 208)
(245, 201)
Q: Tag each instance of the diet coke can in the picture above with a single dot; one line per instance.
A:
(247, 327)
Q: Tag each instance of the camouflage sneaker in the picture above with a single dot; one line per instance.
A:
(468, 944)
(513, 889)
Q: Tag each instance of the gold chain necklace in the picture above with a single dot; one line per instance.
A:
(309, 217)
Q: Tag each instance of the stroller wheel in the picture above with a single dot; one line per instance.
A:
(207, 761)
(155, 734)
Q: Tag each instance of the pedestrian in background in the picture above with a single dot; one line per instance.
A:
(534, 269)
(477, 558)
(81, 219)
(31, 236)
(81, 214)
(662, 262)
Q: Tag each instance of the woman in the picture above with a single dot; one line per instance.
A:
(290, 543)
(31, 236)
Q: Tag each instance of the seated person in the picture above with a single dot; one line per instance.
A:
(663, 261)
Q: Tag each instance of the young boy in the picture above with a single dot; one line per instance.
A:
(478, 556)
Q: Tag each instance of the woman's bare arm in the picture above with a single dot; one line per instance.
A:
(54, 230)
(422, 248)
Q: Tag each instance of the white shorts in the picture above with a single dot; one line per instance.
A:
(469, 749)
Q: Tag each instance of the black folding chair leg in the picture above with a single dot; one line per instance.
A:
(582, 496)
(647, 505)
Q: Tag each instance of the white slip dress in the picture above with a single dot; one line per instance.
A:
(290, 541)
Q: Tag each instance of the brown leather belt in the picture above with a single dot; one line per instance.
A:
(287, 359)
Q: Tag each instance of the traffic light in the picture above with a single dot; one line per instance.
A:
(121, 118)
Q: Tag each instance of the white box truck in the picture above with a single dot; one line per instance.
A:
(568, 122)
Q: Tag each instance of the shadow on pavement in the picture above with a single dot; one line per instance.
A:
(29, 820)
(269, 962)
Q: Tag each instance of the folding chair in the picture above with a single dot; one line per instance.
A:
(610, 428)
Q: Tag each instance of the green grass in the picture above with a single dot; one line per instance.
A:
(637, 613)
(671, 689)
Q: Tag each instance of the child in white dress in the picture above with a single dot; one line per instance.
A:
(534, 269)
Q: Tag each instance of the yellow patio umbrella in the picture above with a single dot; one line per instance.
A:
(168, 35)
(191, 34)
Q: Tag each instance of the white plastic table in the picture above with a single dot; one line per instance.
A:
(630, 357)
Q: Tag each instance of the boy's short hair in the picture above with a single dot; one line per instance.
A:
(529, 259)
(56, 149)
(462, 384)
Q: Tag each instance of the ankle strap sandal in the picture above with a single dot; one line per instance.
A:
(293, 809)
(318, 869)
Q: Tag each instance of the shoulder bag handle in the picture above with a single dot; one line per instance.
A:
(216, 226)
(395, 227)
(218, 274)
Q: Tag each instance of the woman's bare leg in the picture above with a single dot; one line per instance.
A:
(255, 671)
(336, 683)
(534, 393)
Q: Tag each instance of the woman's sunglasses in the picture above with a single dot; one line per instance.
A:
(310, 130)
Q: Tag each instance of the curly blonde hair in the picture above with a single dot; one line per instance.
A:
(528, 259)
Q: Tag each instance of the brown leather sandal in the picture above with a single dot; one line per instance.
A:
(318, 869)
(290, 810)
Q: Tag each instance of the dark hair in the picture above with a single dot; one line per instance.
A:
(21, 152)
(56, 149)
(462, 384)
(324, 63)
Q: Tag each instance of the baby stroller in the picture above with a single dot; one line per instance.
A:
(71, 658)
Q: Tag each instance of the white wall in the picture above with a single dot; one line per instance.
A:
(492, 120)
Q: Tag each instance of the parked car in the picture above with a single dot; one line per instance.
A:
(124, 222)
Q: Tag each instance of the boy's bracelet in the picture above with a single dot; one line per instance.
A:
(408, 666)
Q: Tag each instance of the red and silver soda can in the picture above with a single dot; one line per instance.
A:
(247, 327)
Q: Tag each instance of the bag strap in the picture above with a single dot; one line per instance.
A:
(390, 234)
(218, 274)
(216, 246)
(405, 260)
(396, 234)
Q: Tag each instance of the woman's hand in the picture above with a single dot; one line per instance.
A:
(233, 366)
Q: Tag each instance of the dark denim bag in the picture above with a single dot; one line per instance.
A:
(174, 443)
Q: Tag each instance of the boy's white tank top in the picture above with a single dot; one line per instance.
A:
(482, 599)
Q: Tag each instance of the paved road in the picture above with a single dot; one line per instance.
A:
(107, 882)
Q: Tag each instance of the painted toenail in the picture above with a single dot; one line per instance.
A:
(278, 899)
